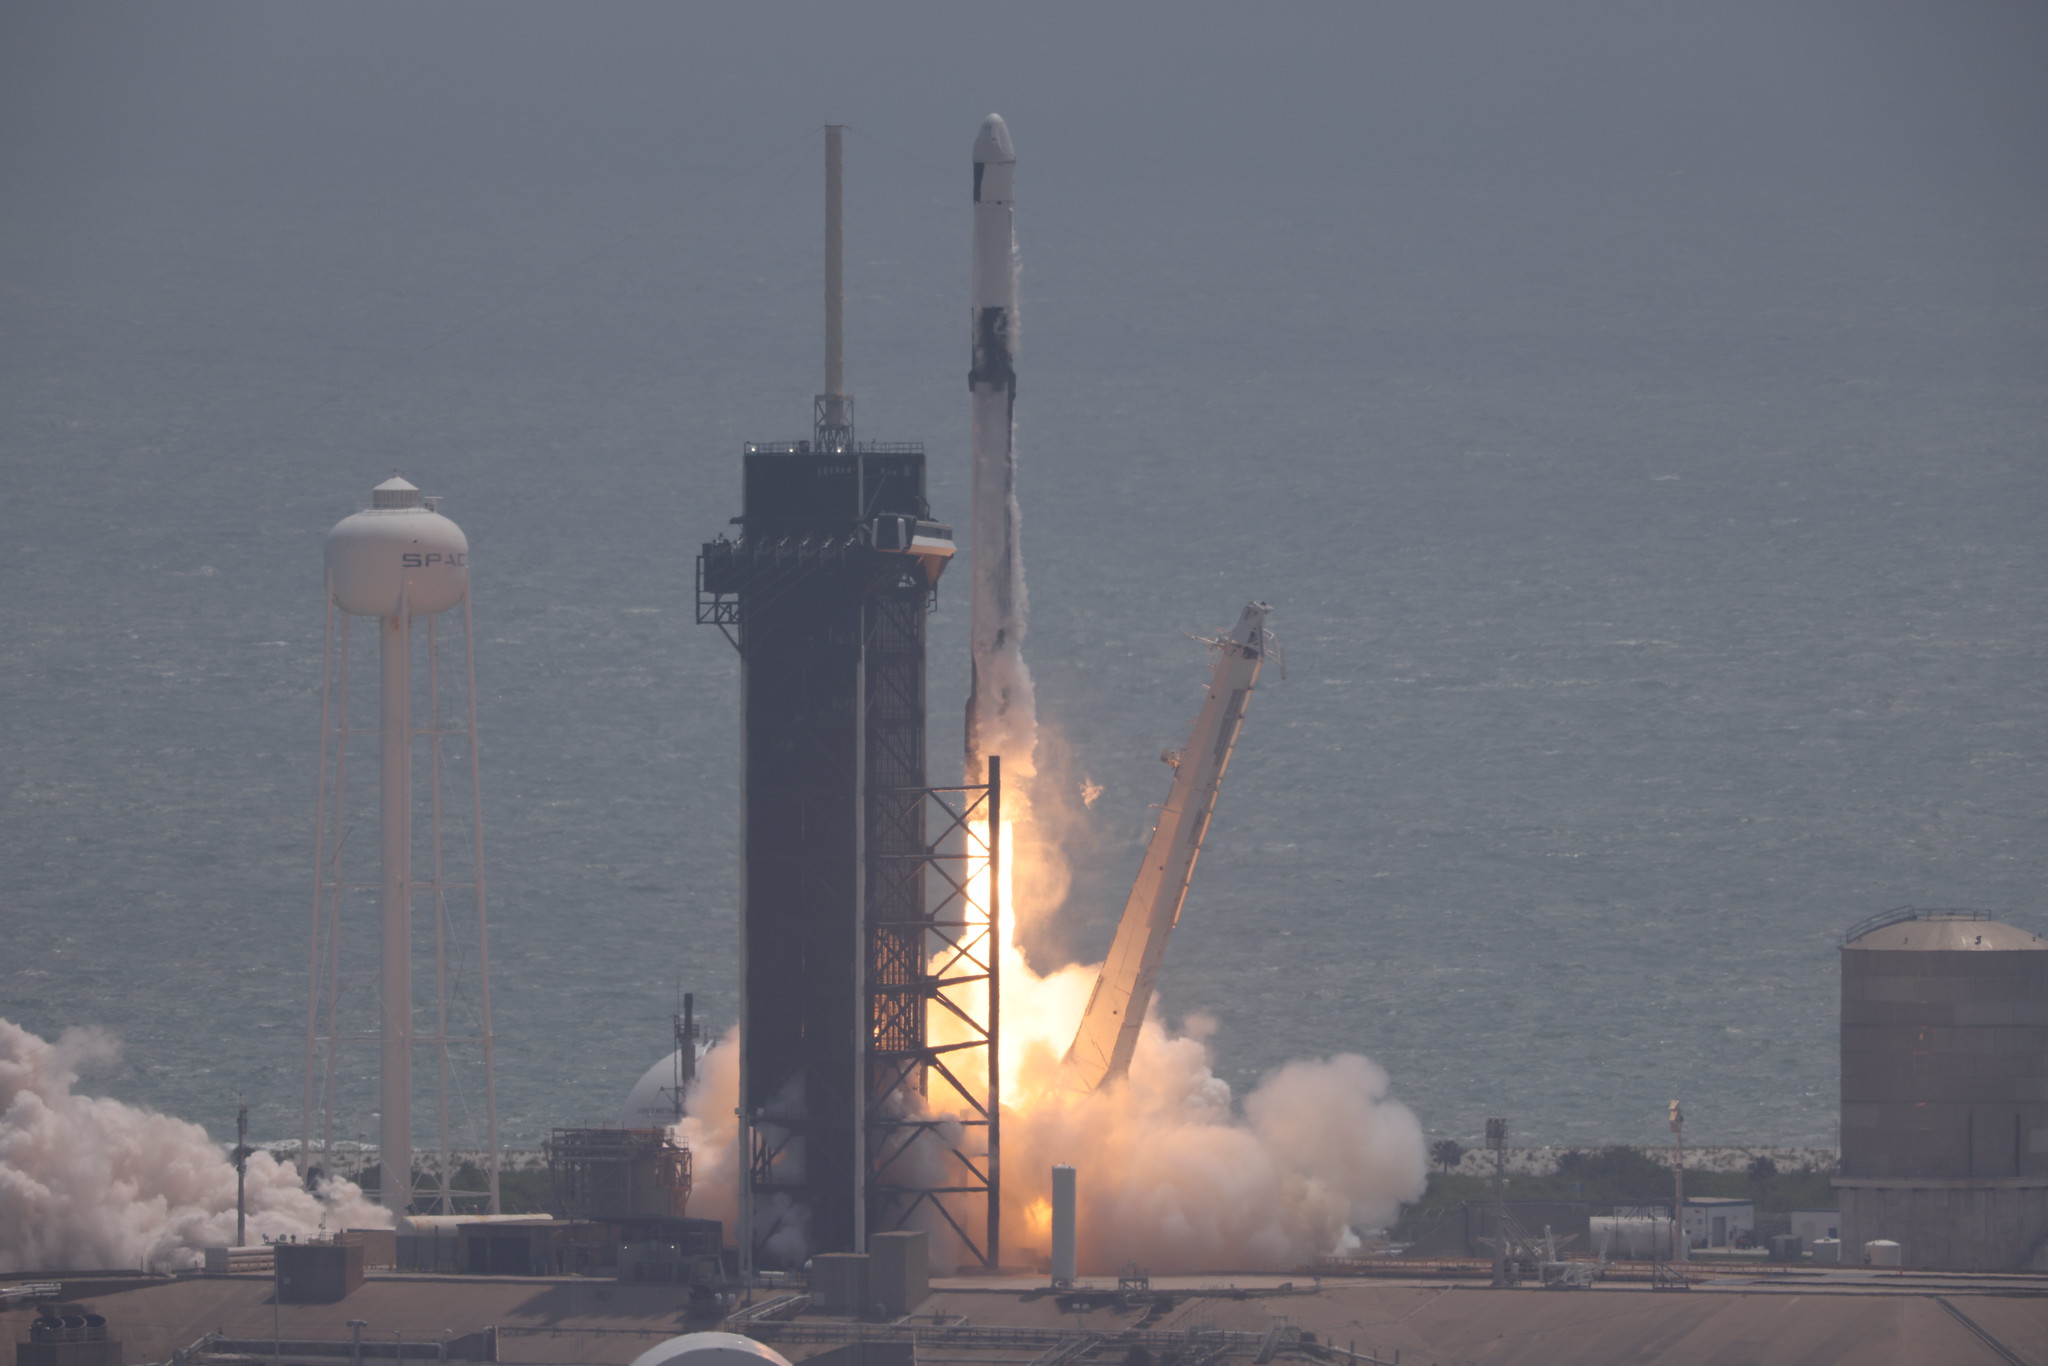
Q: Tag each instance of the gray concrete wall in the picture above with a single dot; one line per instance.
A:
(1955, 1226)
(899, 1271)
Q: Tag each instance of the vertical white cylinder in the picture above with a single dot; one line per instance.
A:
(394, 1144)
(1000, 710)
(1063, 1201)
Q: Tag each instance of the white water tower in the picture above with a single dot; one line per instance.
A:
(400, 563)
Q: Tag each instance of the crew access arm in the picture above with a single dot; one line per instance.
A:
(1109, 1027)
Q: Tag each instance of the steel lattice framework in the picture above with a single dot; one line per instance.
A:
(935, 949)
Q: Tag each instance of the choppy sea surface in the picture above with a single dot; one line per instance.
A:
(1657, 542)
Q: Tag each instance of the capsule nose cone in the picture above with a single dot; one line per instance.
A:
(993, 142)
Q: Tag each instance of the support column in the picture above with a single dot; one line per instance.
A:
(394, 1144)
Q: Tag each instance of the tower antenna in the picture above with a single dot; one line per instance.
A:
(832, 417)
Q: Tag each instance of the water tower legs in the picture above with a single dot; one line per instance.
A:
(394, 1182)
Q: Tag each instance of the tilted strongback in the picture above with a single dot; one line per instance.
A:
(1108, 1036)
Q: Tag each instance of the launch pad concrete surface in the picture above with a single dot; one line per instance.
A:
(1956, 1320)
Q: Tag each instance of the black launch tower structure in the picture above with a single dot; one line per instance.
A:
(863, 919)
(860, 917)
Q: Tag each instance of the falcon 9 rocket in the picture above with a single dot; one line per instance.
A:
(1001, 716)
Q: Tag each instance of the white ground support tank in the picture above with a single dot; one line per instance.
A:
(652, 1102)
(397, 549)
(710, 1349)
(1630, 1237)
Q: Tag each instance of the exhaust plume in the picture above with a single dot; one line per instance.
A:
(710, 1129)
(89, 1183)
(1177, 1178)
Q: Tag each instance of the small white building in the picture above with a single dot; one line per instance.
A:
(1811, 1225)
(1718, 1221)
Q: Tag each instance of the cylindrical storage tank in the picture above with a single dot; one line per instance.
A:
(1945, 1090)
(1630, 1237)
(1881, 1252)
(1064, 1219)
(1944, 1048)
(397, 551)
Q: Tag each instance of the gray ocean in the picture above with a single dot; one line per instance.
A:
(1633, 414)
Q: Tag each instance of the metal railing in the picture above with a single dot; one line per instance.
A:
(1899, 914)
(850, 448)
(769, 1311)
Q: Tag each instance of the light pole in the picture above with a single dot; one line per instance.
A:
(356, 1327)
(1681, 1250)
(1497, 1139)
(242, 1175)
(276, 1306)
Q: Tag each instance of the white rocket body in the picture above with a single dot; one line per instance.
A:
(1001, 716)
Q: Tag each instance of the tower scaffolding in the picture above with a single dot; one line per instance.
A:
(936, 948)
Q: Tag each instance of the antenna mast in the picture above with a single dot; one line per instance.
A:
(686, 1053)
(832, 416)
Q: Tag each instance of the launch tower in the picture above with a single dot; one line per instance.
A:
(846, 940)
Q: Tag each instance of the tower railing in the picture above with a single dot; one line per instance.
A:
(1899, 914)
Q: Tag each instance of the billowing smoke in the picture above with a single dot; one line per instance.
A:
(87, 1182)
(1175, 1172)
(710, 1129)
(1174, 1176)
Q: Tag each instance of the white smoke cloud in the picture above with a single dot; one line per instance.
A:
(710, 1130)
(87, 1182)
(1173, 1174)
(1176, 1177)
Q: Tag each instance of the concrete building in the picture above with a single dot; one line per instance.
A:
(1945, 1090)
(1718, 1220)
